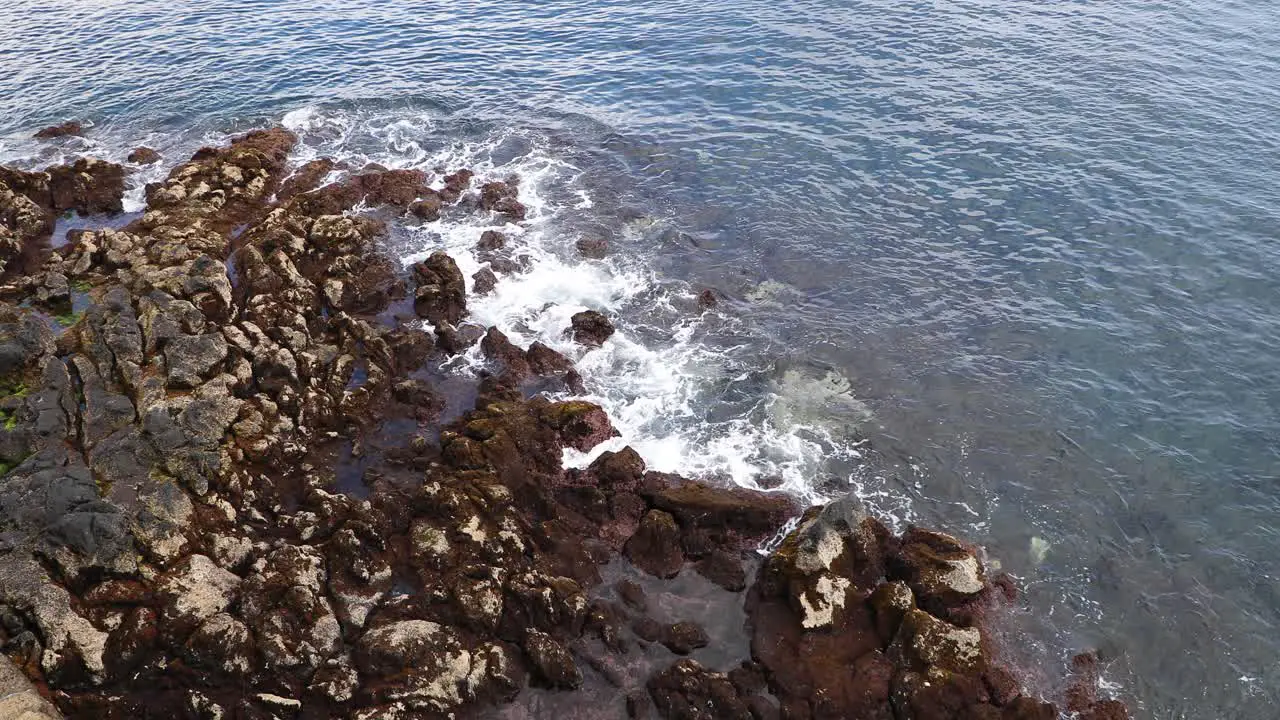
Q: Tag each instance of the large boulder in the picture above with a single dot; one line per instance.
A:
(441, 294)
(87, 186)
(655, 546)
(430, 667)
(688, 691)
(944, 574)
(591, 327)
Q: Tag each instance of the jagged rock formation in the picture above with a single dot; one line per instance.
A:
(181, 535)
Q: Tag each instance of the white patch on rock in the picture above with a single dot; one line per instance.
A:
(431, 540)
(824, 552)
(964, 576)
(474, 531)
(201, 589)
(831, 591)
(278, 701)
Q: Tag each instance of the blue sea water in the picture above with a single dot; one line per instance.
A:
(1006, 267)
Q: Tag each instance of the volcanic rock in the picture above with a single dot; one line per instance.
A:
(144, 156)
(591, 328)
(70, 127)
(441, 294)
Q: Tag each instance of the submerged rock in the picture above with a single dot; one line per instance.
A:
(70, 127)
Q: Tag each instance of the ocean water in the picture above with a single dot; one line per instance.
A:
(1003, 267)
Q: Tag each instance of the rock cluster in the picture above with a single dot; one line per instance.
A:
(229, 491)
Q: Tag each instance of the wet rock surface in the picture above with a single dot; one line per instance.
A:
(241, 496)
(70, 127)
(144, 156)
(590, 327)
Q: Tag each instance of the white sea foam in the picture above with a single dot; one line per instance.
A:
(652, 378)
(654, 375)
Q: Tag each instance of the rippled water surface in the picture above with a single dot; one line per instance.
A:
(1004, 266)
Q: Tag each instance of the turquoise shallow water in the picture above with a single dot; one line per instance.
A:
(1028, 249)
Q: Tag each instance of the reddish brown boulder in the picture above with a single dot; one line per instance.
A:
(591, 328)
(491, 240)
(688, 691)
(594, 248)
(428, 208)
(509, 359)
(70, 127)
(483, 281)
(144, 156)
(500, 197)
(87, 186)
(552, 662)
(943, 573)
(393, 188)
(545, 361)
(455, 340)
(655, 546)
(304, 179)
(372, 288)
(724, 569)
(441, 294)
(581, 425)
(732, 515)
(684, 637)
(620, 471)
(454, 185)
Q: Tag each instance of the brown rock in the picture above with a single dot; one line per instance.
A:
(500, 197)
(222, 643)
(924, 642)
(456, 340)
(491, 240)
(394, 188)
(724, 569)
(619, 471)
(144, 156)
(594, 248)
(729, 513)
(942, 572)
(591, 328)
(70, 127)
(684, 637)
(655, 547)
(454, 185)
(545, 361)
(688, 691)
(483, 281)
(441, 294)
(509, 358)
(551, 661)
(410, 347)
(87, 186)
(304, 179)
(891, 602)
(428, 208)
(581, 425)
(373, 288)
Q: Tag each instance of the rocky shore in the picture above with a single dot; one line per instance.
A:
(234, 488)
